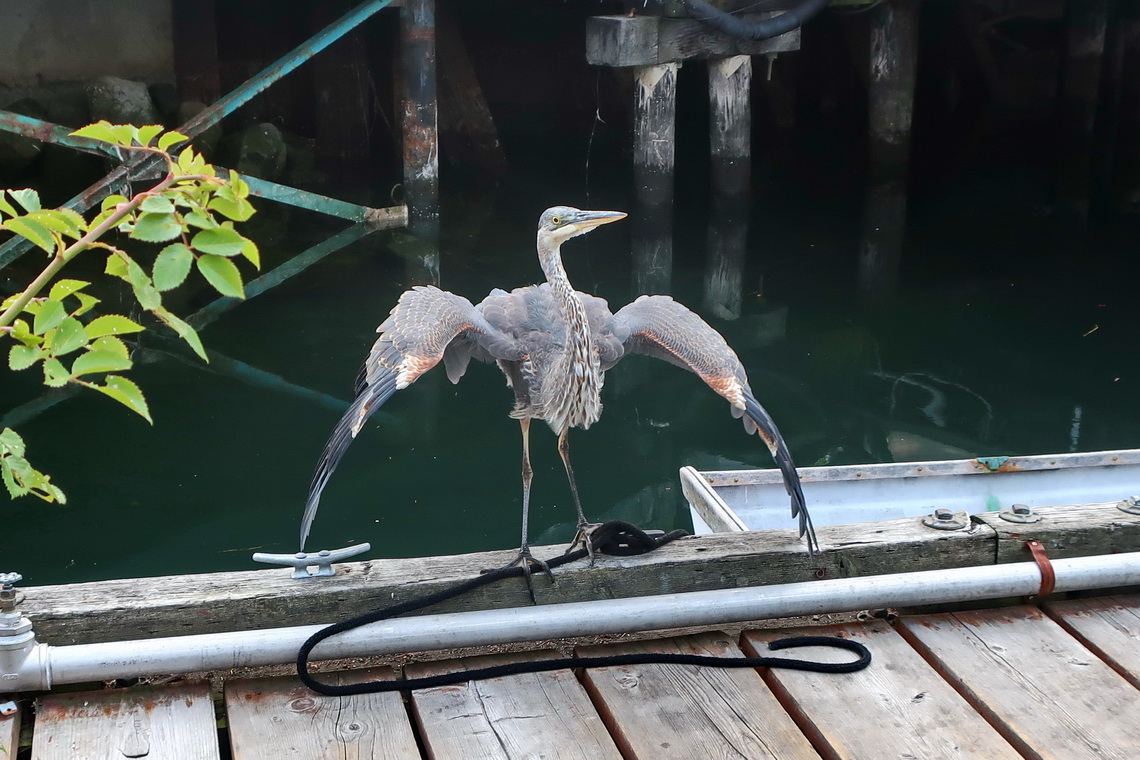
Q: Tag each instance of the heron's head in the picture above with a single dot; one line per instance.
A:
(561, 223)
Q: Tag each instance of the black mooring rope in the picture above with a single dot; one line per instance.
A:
(614, 538)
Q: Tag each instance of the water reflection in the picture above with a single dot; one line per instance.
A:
(993, 363)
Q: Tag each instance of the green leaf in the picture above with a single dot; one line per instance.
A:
(251, 252)
(239, 185)
(22, 333)
(220, 242)
(50, 315)
(86, 303)
(112, 344)
(11, 442)
(27, 198)
(68, 337)
(112, 324)
(32, 230)
(54, 220)
(7, 207)
(63, 288)
(238, 209)
(171, 138)
(99, 361)
(102, 130)
(22, 357)
(55, 374)
(157, 204)
(172, 265)
(111, 201)
(223, 274)
(200, 219)
(117, 265)
(125, 392)
(147, 133)
(185, 331)
(15, 490)
(156, 228)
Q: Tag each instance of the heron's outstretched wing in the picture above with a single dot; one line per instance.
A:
(659, 326)
(427, 325)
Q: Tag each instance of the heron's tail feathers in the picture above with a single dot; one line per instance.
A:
(775, 442)
(371, 398)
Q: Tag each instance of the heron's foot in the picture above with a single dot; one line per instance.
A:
(585, 529)
(529, 563)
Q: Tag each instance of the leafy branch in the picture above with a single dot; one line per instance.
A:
(190, 209)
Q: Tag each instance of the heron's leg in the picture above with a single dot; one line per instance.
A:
(525, 558)
(585, 527)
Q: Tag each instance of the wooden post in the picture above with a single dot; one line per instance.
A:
(420, 121)
(727, 243)
(730, 123)
(654, 124)
(1077, 96)
(653, 249)
(893, 59)
(466, 125)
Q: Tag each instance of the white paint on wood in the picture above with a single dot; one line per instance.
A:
(282, 718)
(899, 707)
(1048, 694)
(174, 722)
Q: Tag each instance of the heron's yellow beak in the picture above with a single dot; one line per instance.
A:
(588, 220)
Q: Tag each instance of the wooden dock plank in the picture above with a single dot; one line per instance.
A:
(899, 707)
(529, 715)
(281, 718)
(1109, 626)
(9, 732)
(686, 711)
(174, 722)
(1048, 695)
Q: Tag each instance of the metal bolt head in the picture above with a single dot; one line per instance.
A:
(1020, 509)
(943, 514)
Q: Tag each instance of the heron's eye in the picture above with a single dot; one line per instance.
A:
(556, 220)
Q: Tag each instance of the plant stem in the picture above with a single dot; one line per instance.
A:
(80, 245)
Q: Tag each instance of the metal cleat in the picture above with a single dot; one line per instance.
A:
(312, 564)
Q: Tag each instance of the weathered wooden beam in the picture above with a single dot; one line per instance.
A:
(893, 65)
(730, 123)
(1065, 532)
(654, 132)
(420, 118)
(652, 40)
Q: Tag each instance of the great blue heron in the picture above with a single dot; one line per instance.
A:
(554, 345)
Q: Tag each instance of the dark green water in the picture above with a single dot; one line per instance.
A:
(1004, 338)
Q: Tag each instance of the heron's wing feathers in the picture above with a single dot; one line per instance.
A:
(659, 326)
(427, 325)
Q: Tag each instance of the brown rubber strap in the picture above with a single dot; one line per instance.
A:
(1048, 577)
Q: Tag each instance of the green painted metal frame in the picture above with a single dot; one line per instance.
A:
(138, 168)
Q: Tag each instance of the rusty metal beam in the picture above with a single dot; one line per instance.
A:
(138, 167)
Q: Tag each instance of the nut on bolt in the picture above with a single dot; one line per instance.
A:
(946, 519)
(9, 596)
(1019, 513)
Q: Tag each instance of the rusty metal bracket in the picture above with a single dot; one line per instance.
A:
(1048, 577)
(946, 519)
(1019, 513)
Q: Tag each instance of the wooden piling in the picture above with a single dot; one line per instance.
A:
(1078, 93)
(655, 108)
(420, 118)
(727, 239)
(652, 244)
(344, 88)
(1124, 190)
(730, 123)
(893, 61)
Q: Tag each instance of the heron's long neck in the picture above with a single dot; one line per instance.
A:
(569, 304)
